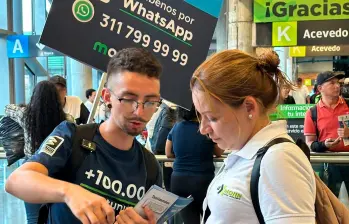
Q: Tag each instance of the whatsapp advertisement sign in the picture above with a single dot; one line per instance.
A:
(92, 31)
(299, 10)
(83, 11)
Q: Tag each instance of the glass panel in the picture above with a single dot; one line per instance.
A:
(29, 84)
(3, 15)
(27, 17)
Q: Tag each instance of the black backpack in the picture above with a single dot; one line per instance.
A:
(84, 134)
(327, 206)
(256, 171)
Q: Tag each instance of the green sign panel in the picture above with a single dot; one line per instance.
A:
(299, 10)
(291, 111)
(284, 34)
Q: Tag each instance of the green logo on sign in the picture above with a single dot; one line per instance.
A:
(284, 34)
(83, 10)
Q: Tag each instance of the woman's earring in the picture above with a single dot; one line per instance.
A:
(250, 116)
(109, 105)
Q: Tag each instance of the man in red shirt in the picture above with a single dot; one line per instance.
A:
(326, 134)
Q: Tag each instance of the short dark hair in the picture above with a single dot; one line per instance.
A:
(299, 80)
(89, 92)
(187, 115)
(134, 60)
(58, 80)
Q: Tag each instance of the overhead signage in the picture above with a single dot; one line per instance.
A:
(313, 51)
(28, 46)
(93, 31)
(299, 10)
(303, 33)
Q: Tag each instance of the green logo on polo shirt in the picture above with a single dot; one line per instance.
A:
(284, 34)
(224, 191)
(83, 10)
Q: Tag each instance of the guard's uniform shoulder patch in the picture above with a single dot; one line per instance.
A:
(51, 144)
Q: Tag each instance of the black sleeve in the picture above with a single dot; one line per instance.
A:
(84, 113)
(160, 142)
(292, 100)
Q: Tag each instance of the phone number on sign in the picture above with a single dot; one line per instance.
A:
(144, 39)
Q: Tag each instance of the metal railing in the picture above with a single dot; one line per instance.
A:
(332, 157)
(314, 158)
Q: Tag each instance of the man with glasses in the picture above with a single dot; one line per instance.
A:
(113, 176)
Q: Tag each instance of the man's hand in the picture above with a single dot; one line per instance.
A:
(330, 142)
(343, 132)
(130, 216)
(88, 207)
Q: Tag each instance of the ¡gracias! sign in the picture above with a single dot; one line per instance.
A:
(299, 10)
(93, 31)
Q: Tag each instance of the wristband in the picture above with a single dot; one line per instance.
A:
(317, 146)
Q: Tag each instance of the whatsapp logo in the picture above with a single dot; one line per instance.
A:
(83, 10)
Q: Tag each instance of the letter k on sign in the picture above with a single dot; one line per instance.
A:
(284, 34)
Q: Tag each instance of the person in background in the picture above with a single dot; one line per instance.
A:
(90, 96)
(300, 92)
(162, 128)
(193, 164)
(38, 119)
(71, 104)
(327, 134)
(314, 99)
(150, 128)
(234, 94)
(285, 98)
(103, 112)
(345, 89)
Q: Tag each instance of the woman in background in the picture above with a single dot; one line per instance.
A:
(38, 119)
(193, 165)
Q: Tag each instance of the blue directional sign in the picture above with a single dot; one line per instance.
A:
(27, 46)
(18, 46)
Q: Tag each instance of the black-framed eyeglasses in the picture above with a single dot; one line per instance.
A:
(133, 105)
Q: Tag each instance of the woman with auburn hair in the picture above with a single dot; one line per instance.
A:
(234, 93)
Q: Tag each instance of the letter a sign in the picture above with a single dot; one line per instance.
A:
(17, 46)
(285, 34)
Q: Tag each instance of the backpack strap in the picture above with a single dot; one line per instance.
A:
(152, 168)
(79, 152)
(313, 114)
(346, 101)
(256, 174)
(77, 157)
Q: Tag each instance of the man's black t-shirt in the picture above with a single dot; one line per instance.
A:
(117, 175)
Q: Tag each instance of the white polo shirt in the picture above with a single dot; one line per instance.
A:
(287, 187)
(72, 106)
